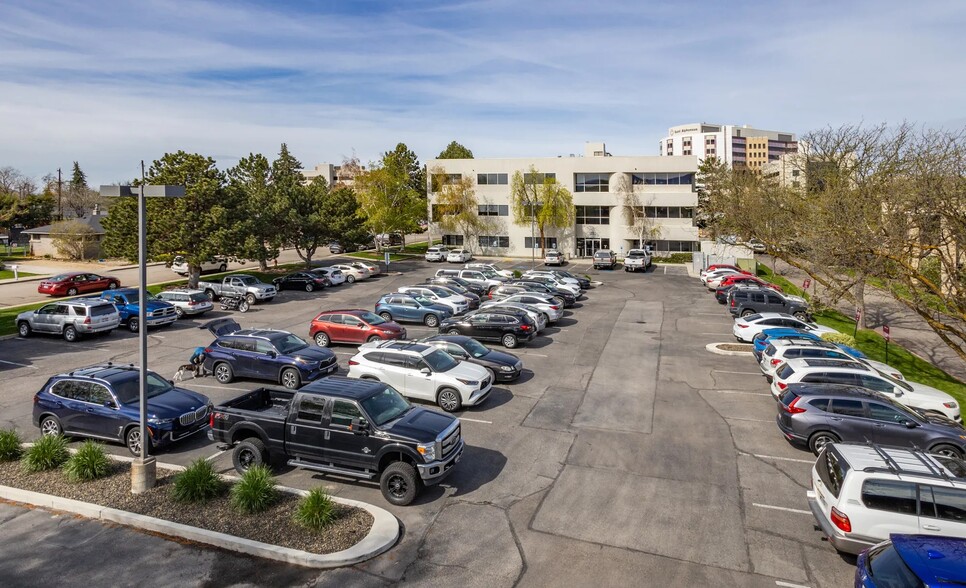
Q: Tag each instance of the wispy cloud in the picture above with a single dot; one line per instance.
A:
(108, 83)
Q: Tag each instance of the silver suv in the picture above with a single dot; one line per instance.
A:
(70, 318)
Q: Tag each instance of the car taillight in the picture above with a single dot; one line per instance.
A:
(554, 307)
(207, 349)
(841, 520)
(741, 326)
(781, 385)
(732, 303)
(949, 404)
(791, 408)
(353, 362)
(775, 361)
(211, 420)
(524, 327)
(87, 320)
(490, 294)
(192, 302)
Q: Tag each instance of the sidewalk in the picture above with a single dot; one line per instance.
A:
(906, 327)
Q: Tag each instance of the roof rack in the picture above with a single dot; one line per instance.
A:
(894, 467)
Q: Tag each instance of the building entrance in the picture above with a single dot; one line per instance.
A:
(586, 247)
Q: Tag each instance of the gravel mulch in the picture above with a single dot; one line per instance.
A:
(735, 347)
(274, 526)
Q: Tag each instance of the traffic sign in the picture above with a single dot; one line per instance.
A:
(806, 284)
(885, 331)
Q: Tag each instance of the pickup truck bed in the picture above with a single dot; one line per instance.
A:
(267, 402)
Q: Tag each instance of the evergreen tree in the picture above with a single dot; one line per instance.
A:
(455, 151)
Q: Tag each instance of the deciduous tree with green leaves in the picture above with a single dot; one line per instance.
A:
(456, 205)
(538, 198)
(388, 200)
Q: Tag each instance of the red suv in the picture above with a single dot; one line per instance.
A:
(745, 280)
(353, 326)
(77, 283)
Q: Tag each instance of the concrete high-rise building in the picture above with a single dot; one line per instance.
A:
(738, 146)
(663, 189)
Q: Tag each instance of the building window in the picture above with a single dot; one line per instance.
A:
(795, 173)
(453, 240)
(660, 178)
(440, 180)
(494, 210)
(591, 182)
(438, 210)
(491, 179)
(593, 215)
(676, 246)
(538, 178)
(535, 243)
(493, 241)
(668, 212)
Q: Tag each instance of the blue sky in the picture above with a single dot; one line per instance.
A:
(110, 83)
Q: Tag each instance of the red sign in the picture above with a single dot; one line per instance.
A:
(858, 315)
(806, 284)
(885, 331)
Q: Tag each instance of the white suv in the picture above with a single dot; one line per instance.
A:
(424, 372)
(925, 399)
(439, 295)
(179, 265)
(436, 253)
(187, 302)
(862, 493)
(489, 267)
(459, 256)
(781, 350)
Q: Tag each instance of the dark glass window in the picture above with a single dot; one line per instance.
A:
(494, 210)
(593, 215)
(881, 412)
(491, 179)
(889, 495)
(311, 409)
(819, 403)
(887, 568)
(538, 178)
(343, 412)
(456, 240)
(948, 504)
(846, 407)
(831, 471)
(534, 242)
(591, 182)
(493, 241)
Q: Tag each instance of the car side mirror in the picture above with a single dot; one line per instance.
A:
(359, 426)
(426, 371)
(272, 354)
(362, 326)
(110, 404)
(910, 424)
(171, 382)
(897, 392)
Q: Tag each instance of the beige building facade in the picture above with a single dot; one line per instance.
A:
(738, 146)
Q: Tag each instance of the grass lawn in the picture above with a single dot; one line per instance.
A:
(873, 344)
(8, 274)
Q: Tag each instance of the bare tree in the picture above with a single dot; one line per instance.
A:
(634, 210)
(456, 207)
(74, 239)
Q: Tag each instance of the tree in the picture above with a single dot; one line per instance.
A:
(78, 196)
(349, 170)
(388, 200)
(74, 239)
(343, 219)
(250, 180)
(402, 160)
(537, 198)
(634, 211)
(307, 227)
(456, 205)
(455, 151)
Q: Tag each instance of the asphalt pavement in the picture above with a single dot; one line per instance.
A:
(627, 454)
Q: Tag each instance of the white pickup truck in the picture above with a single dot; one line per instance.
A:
(180, 265)
(637, 259)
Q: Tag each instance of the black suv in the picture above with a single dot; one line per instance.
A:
(449, 281)
(503, 366)
(743, 301)
(818, 414)
(506, 326)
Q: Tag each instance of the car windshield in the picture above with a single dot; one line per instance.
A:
(127, 390)
(440, 361)
(475, 348)
(894, 381)
(386, 405)
(372, 318)
(289, 344)
(488, 272)
(423, 301)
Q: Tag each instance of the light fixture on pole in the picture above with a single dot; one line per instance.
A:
(143, 468)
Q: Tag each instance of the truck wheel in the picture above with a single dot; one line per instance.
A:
(179, 311)
(133, 441)
(747, 312)
(133, 325)
(399, 483)
(23, 329)
(802, 316)
(224, 373)
(291, 378)
(50, 426)
(249, 453)
(431, 321)
(70, 333)
(449, 400)
(321, 339)
(210, 294)
(222, 268)
(947, 451)
(250, 298)
(819, 440)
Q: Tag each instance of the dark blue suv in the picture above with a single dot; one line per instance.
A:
(913, 560)
(264, 354)
(101, 401)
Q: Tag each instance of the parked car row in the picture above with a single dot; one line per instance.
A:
(889, 451)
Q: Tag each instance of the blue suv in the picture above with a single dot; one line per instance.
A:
(402, 307)
(264, 354)
(102, 402)
(913, 560)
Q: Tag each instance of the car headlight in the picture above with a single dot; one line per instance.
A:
(506, 368)
(157, 421)
(427, 450)
(150, 313)
(468, 382)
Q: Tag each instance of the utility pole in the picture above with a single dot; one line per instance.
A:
(60, 198)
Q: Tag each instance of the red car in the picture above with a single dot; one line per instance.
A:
(77, 283)
(353, 326)
(744, 280)
(717, 266)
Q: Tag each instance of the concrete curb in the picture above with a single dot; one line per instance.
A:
(381, 537)
(713, 348)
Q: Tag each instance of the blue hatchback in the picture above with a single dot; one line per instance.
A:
(921, 561)
(102, 402)
(402, 307)
(264, 354)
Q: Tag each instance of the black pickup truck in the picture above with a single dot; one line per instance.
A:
(345, 426)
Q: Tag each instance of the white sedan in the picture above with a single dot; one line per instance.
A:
(459, 256)
(352, 274)
(366, 265)
(745, 328)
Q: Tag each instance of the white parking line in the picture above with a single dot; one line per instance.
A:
(789, 584)
(782, 508)
(810, 462)
(212, 457)
(739, 373)
(749, 420)
(739, 392)
(217, 387)
(476, 421)
(524, 352)
(33, 367)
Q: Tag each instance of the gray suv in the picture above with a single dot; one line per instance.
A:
(70, 318)
(747, 301)
(818, 414)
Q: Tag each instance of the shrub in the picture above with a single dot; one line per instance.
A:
(89, 463)
(317, 510)
(197, 483)
(255, 491)
(839, 338)
(10, 448)
(48, 453)
(517, 274)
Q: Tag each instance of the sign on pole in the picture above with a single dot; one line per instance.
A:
(858, 315)
(387, 259)
(806, 284)
(885, 331)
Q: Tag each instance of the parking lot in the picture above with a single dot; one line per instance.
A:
(626, 454)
